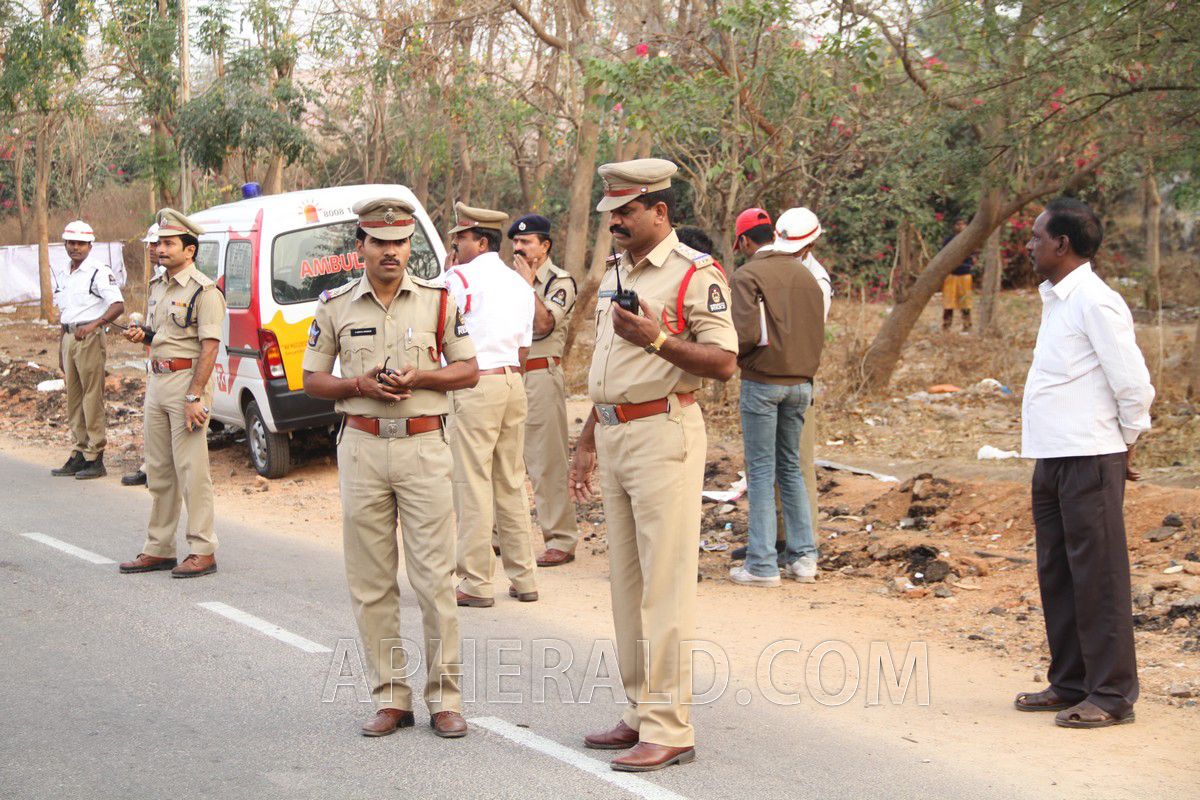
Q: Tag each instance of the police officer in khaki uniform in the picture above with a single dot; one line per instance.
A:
(648, 434)
(88, 299)
(487, 429)
(546, 446)
(185, 312)
(390, 331)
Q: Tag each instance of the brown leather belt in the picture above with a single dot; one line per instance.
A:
(161, 365)
(541, 363)
(394, 428)
(500, 371)
(617, 413)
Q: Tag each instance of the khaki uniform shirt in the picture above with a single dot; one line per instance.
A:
(352, 324)
(555, 289)
(622, 372)
(167, 313)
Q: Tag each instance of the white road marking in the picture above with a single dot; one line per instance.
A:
(78, 552)
(262, 626)
(600, 769)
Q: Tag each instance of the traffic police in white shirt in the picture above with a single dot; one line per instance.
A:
(487, 428)
(87, 299)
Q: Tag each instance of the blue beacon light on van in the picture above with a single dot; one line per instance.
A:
(252, 189)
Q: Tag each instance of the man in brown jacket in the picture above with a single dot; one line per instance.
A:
(778, 311)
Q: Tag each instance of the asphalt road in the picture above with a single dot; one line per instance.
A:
(125, 686)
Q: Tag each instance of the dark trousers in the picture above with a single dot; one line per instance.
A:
(1083, 573)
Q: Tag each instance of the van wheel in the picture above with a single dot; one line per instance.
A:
(271, 453)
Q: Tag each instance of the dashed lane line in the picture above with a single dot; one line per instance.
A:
(262, 626)
(78, 552)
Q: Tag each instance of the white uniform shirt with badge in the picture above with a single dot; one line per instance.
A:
(87, 292)
(497, 308)
(1088, 392)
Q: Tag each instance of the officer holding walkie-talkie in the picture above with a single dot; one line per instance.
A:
(185, 311)
(662, 325)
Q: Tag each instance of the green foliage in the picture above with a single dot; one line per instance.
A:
(43, 55)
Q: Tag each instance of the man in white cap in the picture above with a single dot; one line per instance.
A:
(87, 300)
(779, 313)
(487, 428)
(183, 329)
(153, 268)
(652, 352)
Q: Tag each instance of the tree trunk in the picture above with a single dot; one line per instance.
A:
(1153, 216)
(881, 357)
(989, 295)
(585, 302)
(19, 185)
(41, 216)
(273, 182)
(1193, 390)
(579, 206)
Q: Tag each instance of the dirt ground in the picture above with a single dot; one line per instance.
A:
(946, 550)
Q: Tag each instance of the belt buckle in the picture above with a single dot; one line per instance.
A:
(392, 428)
(606, 413)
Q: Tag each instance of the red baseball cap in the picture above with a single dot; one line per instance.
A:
(750, 218)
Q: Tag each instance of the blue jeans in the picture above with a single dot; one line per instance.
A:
(772, 419)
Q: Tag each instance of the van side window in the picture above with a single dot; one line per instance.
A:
(306, 262)
(206, 258)
(238, 255)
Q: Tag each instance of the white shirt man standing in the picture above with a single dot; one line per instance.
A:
(1087, 399)
(487, 427)
(87, 299)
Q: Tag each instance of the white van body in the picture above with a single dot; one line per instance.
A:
(273, 256)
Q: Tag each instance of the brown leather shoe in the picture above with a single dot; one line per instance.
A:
(194, 566)
(387, 721)
(471, 601)
(553, 557)
(1045, 700)
(647, 757)
(524, 597)
(619, 738)
(145, 563)
(448, 724)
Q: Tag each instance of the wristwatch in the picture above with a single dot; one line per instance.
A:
(657, 344)
(191, 398)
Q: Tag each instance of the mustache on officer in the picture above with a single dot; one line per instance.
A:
(615, 229)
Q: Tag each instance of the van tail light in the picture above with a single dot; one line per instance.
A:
(270, 356)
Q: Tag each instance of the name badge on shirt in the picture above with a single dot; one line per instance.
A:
(362, 331)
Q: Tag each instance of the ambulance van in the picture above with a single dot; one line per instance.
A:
(273, 256)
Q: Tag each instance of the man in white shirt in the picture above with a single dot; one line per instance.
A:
(1087, 398)
(487, 427)
(87, 300)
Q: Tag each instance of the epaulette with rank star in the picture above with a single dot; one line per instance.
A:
(698, 259)
(329, 294)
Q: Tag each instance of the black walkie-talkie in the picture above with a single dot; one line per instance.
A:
(625, 298)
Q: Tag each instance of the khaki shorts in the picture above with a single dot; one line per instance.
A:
(956, 292)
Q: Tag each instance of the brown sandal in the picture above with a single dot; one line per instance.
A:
(1089, 715)
(1045, 700)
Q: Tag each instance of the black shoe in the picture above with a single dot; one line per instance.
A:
(73, 465)
(134, 479)
(92, 469)
(740, 553)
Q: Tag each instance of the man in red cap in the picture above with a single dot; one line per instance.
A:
(751, 231)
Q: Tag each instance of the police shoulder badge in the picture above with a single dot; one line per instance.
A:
(460, 328)
(314, 334)
(559, 297)
(716, 299)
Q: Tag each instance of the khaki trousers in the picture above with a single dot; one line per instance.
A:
(83, 370)
(547, 457)
(176, 468)
(487, 436)
(651, 475)
(381, 478)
